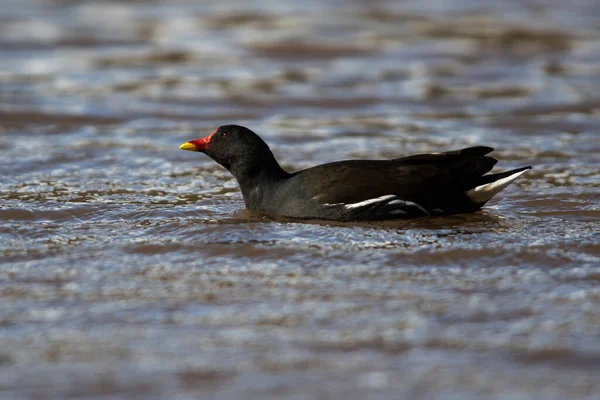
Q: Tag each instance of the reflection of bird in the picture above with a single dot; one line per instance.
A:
(425, 184)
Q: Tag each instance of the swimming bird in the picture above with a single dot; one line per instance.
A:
(419, 185)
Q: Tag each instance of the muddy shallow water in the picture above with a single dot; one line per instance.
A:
(129, 268)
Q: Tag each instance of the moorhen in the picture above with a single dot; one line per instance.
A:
(445, 183)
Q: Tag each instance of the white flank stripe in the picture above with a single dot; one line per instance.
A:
(370, 201)
(398, 212)
(409, 204)
(483, 193)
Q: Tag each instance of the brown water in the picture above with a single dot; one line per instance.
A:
(130, 270)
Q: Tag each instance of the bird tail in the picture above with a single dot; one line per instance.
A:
(491, 184)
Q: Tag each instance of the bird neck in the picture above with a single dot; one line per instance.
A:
(257, 179)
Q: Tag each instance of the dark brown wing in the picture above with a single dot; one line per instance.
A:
(426, 179)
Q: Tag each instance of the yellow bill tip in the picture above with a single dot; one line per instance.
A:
(188, 146)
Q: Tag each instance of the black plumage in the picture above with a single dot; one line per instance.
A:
(418, 185)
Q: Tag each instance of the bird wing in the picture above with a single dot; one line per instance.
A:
(424, 179)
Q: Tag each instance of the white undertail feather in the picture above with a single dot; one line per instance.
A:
(483, 193)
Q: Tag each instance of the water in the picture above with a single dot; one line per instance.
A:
(129, 268)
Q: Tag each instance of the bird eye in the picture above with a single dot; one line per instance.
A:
(225, 134)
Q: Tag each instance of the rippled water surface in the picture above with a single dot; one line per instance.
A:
(129, 268)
